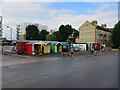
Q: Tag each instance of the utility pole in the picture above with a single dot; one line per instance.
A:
(11, 31)
(0, 28)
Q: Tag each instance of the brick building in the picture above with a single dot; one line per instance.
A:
(90, 32)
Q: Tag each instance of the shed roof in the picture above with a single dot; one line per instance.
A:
(21, 40)
(64, 43)
(30, 43)
(40, 42)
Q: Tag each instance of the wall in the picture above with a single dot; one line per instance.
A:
(47, 49)
(102, 39)
(7, 48)
(86, 33)
(29, 49)
(22, 37)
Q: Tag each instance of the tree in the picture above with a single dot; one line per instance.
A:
(75, 34)
(57, 34)
(50, 37)
(65, 31)
(43, 35)
(32, 32)
(115, 38)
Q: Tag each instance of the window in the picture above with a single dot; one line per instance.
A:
(101, 34)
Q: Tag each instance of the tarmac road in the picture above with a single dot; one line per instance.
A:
(77, 72)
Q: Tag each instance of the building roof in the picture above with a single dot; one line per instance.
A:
(102, 28)
(99, 27)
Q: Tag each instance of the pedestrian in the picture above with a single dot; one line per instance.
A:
(92, 50)
(71, 54)
(76, 49)
(63, 54)
(2, 50)
(95, 50)
(110, 48)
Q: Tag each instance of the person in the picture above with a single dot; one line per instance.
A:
(95, 49)
(110, 48)
(71, 54)
(76, 49)
(2, 50)
(63, 54)
(92, 50)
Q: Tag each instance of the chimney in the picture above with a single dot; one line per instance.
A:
(94, 22)
(104, 25)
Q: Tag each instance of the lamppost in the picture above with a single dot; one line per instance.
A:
(1, 21)
(11, 31)
(1, 28)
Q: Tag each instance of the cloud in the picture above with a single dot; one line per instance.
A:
(60, 0)
(16, 13)
(0, 9)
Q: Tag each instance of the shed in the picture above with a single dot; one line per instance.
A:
(21, 47)
(97, 45)
(64, 46)
(30, 48)
(42, 47)
(56, 47)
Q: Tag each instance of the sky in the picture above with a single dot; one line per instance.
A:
(54, 14)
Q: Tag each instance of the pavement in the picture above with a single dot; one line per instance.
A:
(14, 59)
(54, 71)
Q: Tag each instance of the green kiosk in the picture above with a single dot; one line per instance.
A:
(56, 47)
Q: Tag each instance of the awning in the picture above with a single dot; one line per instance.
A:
(64, 43)
(30, 43)
(55, 42)
(59, 43)
(40, 43)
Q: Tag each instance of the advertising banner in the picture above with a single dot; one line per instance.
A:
(7, 48)
(79, 47)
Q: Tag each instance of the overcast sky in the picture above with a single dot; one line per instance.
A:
(54, 14)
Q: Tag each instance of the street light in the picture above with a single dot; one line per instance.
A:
(11, 31)
(1, 28)
(0, 19)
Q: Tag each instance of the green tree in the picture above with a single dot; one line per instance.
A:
(43, 34)
(75, 34)
(65, 31)
(50, 37)
(115, 37)
(32, 32)
(57, 34)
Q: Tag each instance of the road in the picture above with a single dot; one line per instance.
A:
(61, 72)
